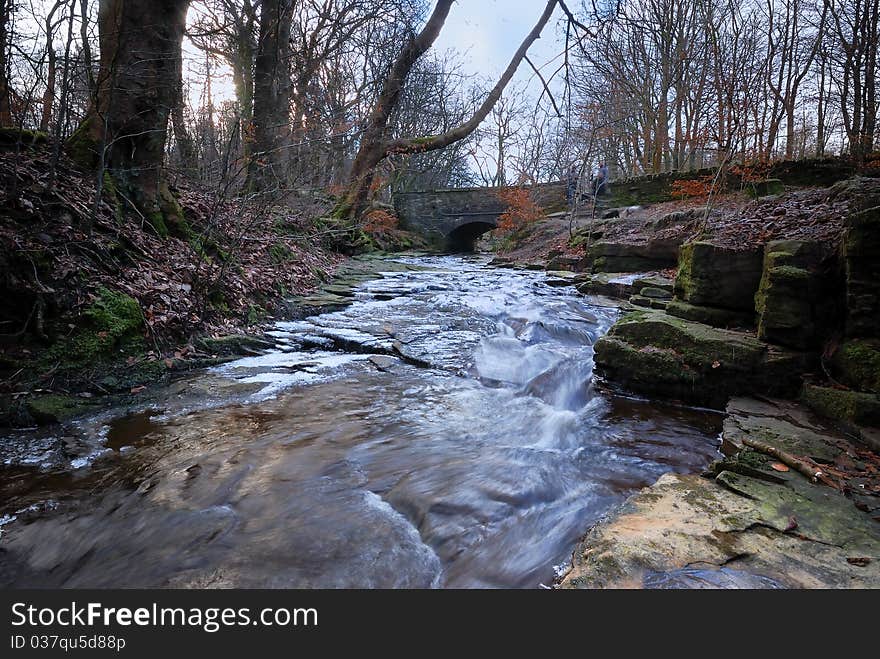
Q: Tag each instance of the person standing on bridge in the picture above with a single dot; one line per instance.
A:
(571, 189)
(600, 183)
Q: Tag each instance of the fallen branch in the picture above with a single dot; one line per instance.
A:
(805, 467)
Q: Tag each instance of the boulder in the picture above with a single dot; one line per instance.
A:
(849, 408)
(610, 284)
(633, 257)
(856, 364)
(796, 301)
(862, 261)
(656, 281)
(717, 276)
(713, 316)
(655, 293)
(651, 352)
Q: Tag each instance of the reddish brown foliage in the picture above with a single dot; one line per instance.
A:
(380, 221)
(693, 188)
(520, 209)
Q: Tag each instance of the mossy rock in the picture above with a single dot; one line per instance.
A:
(846, 407)
(862, 258)
(654, 353)
(656, 281)
(718, 276)
(56, 408)
(796, 302)
(713, 316)
(233, 344)
(610, 284)
(633, 257)
(856, 363)
(12, 137)
(640, 301)
(112, 319)
(765, 188)
(656, 293)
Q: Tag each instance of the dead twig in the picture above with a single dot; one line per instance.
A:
(802, 466)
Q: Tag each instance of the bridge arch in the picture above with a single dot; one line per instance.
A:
(452, 220)
(463, 237)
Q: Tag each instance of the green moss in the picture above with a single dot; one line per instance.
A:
(55, 408)
(847, 407)
(113, 319)
(157, 221)
(255, 314)
(82, 147)
(25, 137)
(111, 193)
(279, 253)
(857, 364)
(789, 272)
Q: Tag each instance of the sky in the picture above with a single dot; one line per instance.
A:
(487, 33)
(484, 33)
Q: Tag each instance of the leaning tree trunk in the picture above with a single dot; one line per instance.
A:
(125, 130)
(375, 146)
(272, 93)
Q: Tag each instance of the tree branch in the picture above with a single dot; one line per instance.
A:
(421, 145)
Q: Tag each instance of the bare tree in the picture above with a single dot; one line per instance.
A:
(375, 147)
(125, 130)
(272, 95)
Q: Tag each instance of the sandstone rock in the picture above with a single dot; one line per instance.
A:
(655, 353)
(796, 301)
(656, 293)
(856, 364)
(710, 315)
(640, 301)
(640, 257)
(656, 281)
(718, 276)
(862, 259)
(610, 284)
(686, 521)
(850, 408)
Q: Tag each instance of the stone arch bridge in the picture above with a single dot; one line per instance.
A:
(452, 220)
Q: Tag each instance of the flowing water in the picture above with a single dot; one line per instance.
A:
(443, 430)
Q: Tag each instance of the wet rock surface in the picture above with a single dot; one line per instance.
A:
(767, 529)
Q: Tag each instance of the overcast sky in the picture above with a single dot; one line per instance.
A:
(487, 33)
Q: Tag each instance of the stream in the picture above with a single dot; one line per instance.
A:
(443, 430)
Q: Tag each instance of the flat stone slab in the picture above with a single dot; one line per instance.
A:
(686, 522)
(750, 526)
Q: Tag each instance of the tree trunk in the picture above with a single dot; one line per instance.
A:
(126, 128)
(243, 79)
(186, 149)
(5, 108)
(272, 91)
(375, 148)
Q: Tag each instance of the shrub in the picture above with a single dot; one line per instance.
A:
(520, 210)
